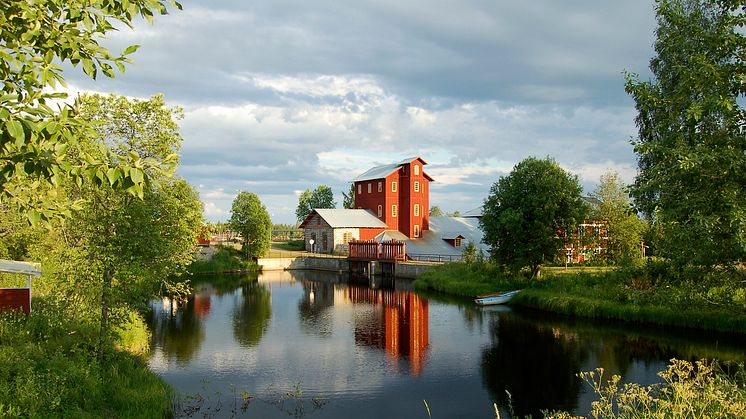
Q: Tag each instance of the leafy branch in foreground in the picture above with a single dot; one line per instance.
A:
(35, 138)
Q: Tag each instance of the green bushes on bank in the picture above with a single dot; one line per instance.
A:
(48, 368)
(652, 292)
(225, 259)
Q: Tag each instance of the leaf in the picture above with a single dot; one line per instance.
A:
(136, 175)
(130, 49)
(113, 174)
(15, 129)
(33, 216)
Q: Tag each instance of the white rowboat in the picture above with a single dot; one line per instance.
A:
(496, 298)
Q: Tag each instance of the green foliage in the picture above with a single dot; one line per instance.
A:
(527, 211)
(435, 211)
(349, 198)
(225, 259)
(691, 152)
(48, 368)
(321, 197)
(251, 220)
(36, 141)
(689, 390)
(469, 279)
(625, 227)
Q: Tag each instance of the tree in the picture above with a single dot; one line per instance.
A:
(691, 148)
(435, 211)
(349, 197)
(530, 212)
(36, 141)
(251, 220)
(118, 248)
(321, 197)
(625, 228)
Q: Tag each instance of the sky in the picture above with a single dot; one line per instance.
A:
(284, 95)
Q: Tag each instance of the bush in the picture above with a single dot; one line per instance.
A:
(701, 390)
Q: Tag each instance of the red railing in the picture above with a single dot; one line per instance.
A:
(372, 250)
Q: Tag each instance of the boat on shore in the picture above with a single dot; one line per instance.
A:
(496, 298)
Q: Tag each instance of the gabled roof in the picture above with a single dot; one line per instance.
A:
(380, 172)
(341, 218)
(451, 235)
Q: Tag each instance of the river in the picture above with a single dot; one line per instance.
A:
(311, 344)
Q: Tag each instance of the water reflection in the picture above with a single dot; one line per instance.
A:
(252, 314)
(177, 331)
(398, 324)
(533, 364)
(314, 309)
(340, 342)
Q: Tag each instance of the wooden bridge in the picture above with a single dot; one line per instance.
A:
(364, 253)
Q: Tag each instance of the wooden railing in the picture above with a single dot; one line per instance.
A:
(372, 250)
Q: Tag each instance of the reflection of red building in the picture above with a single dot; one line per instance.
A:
(202, 303)
(402, 330)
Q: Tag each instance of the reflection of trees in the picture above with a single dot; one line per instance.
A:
(177, 331)
(313, 308)
(251, 315)
(537, 368)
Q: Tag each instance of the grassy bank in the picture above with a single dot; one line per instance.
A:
(225, 259)
(48, 368)
(649, 294)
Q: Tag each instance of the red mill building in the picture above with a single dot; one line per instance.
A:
(398, 194)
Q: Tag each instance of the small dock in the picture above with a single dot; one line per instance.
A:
(365, 254)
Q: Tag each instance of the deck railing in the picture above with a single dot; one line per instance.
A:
(372, 250)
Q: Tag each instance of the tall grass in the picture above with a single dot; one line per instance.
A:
(48, 368)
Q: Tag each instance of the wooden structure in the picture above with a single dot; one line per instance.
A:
(18, 298)
(398, 194)
(364, 253)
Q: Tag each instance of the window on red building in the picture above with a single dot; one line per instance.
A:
(416, 170)
(380, 211)
(416, 210)
(380, 186)
(393, 210)
(393, 186)
(417, 230)
(416, 185)
(370, 187)
(359, 188)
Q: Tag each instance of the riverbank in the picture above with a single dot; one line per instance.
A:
(48, 367)
(648, 294)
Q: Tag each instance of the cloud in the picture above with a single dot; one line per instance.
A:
(282, 96)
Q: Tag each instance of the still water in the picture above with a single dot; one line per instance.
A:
(310, 344)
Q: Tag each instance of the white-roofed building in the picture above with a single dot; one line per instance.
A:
(329, 230)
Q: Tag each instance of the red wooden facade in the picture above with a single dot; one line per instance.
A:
(400, 197)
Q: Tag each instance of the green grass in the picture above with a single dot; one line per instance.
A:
(709, 300)
(48, 368)
(290, 246)
(225, 259)
(468, 280)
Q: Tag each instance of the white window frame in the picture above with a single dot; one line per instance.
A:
(359, 188)
(416, 186)
(417, 230)
(380, 211)
(393, 186)
(370, 187)
(416, 170)
(393, 210)
(416, 210)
